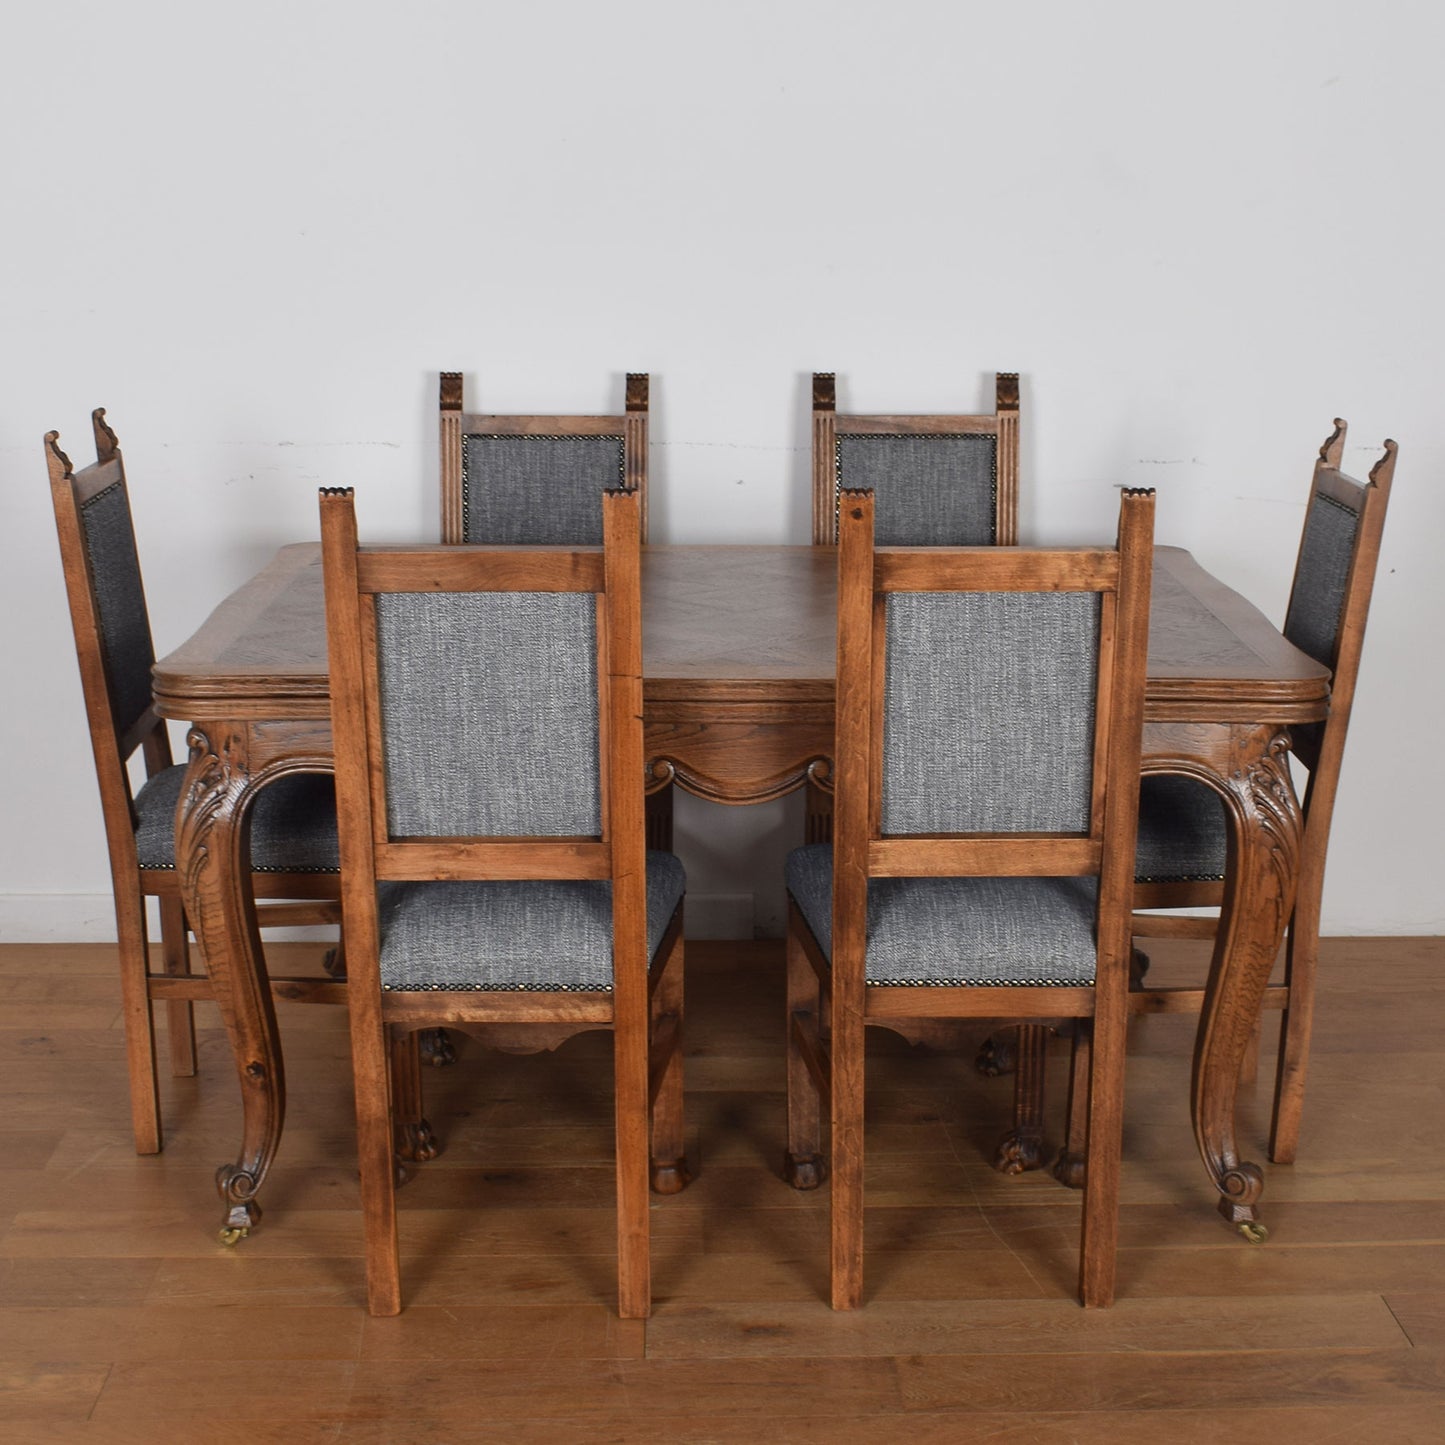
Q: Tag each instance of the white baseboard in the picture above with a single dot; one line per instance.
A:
(57, 918)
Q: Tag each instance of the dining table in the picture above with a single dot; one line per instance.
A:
(739, 648)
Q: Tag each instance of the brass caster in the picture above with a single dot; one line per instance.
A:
(232, 1235)
(1253, 1231)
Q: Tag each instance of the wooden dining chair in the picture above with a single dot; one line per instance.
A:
(487, 715)
(293, 831)
(989, 716)
(1183, 847)
(538, 480)
(938, 480)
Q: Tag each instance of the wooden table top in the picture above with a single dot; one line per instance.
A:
(737, 625)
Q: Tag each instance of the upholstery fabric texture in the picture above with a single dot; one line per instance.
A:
(959, 931)
(293, 823)
(513, 936)
(489, 713)
(1312, 621)
(929, 491)
(125, 629)
(1183, 831)
(988, 720)
(538, 490)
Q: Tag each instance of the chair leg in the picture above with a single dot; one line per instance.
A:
(670, 1174)
(817, 814)
(140, 1035)
(634, 1260)
(803, 1165)
(847, 1173)
(1099, 1241)
(377, 1159)
(180, 1016)
(658, 820)
(1069, 1166)
(1296, 1027)
(1022, 1148)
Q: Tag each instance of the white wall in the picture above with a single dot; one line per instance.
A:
(255, 233)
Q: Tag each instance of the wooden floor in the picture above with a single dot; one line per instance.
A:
(122, 1319)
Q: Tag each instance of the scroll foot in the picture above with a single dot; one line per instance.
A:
(437, 1048)
(996, 1057)
(1019, 1151)
(417, 1142)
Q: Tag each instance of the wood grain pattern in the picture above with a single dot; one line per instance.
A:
(144, 1330)
(738, 698)
(383, 1016)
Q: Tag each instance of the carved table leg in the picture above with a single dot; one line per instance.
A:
(229, 762)
(213, 861)
(1265, 829)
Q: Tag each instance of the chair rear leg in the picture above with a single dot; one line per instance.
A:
(669, 1171)
(631, 1089)
(1099, 1240)
(140, 1035)
(1069, 1166)
(180, 1015)
(846, 1271)
(803, 1165)
(1296, 1027)
(377, 1158)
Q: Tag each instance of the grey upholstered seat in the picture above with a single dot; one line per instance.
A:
(513, 936)
(959, 931)
(1182, 831)
(293, 823)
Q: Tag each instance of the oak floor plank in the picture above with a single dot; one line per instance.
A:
(1320, 1322)
(123, 1321)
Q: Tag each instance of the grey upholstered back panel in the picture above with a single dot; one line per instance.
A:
(1183, 831)
(539, 490)
(988, 712)
(1318, 597)
(489, 713)
(293, 823)
(125, 629)
(929, 491)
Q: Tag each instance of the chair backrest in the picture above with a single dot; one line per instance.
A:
(1334, 577)
(538, 480)
(938, 481)
(990, 710)
(486, 712)
(112, 627)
